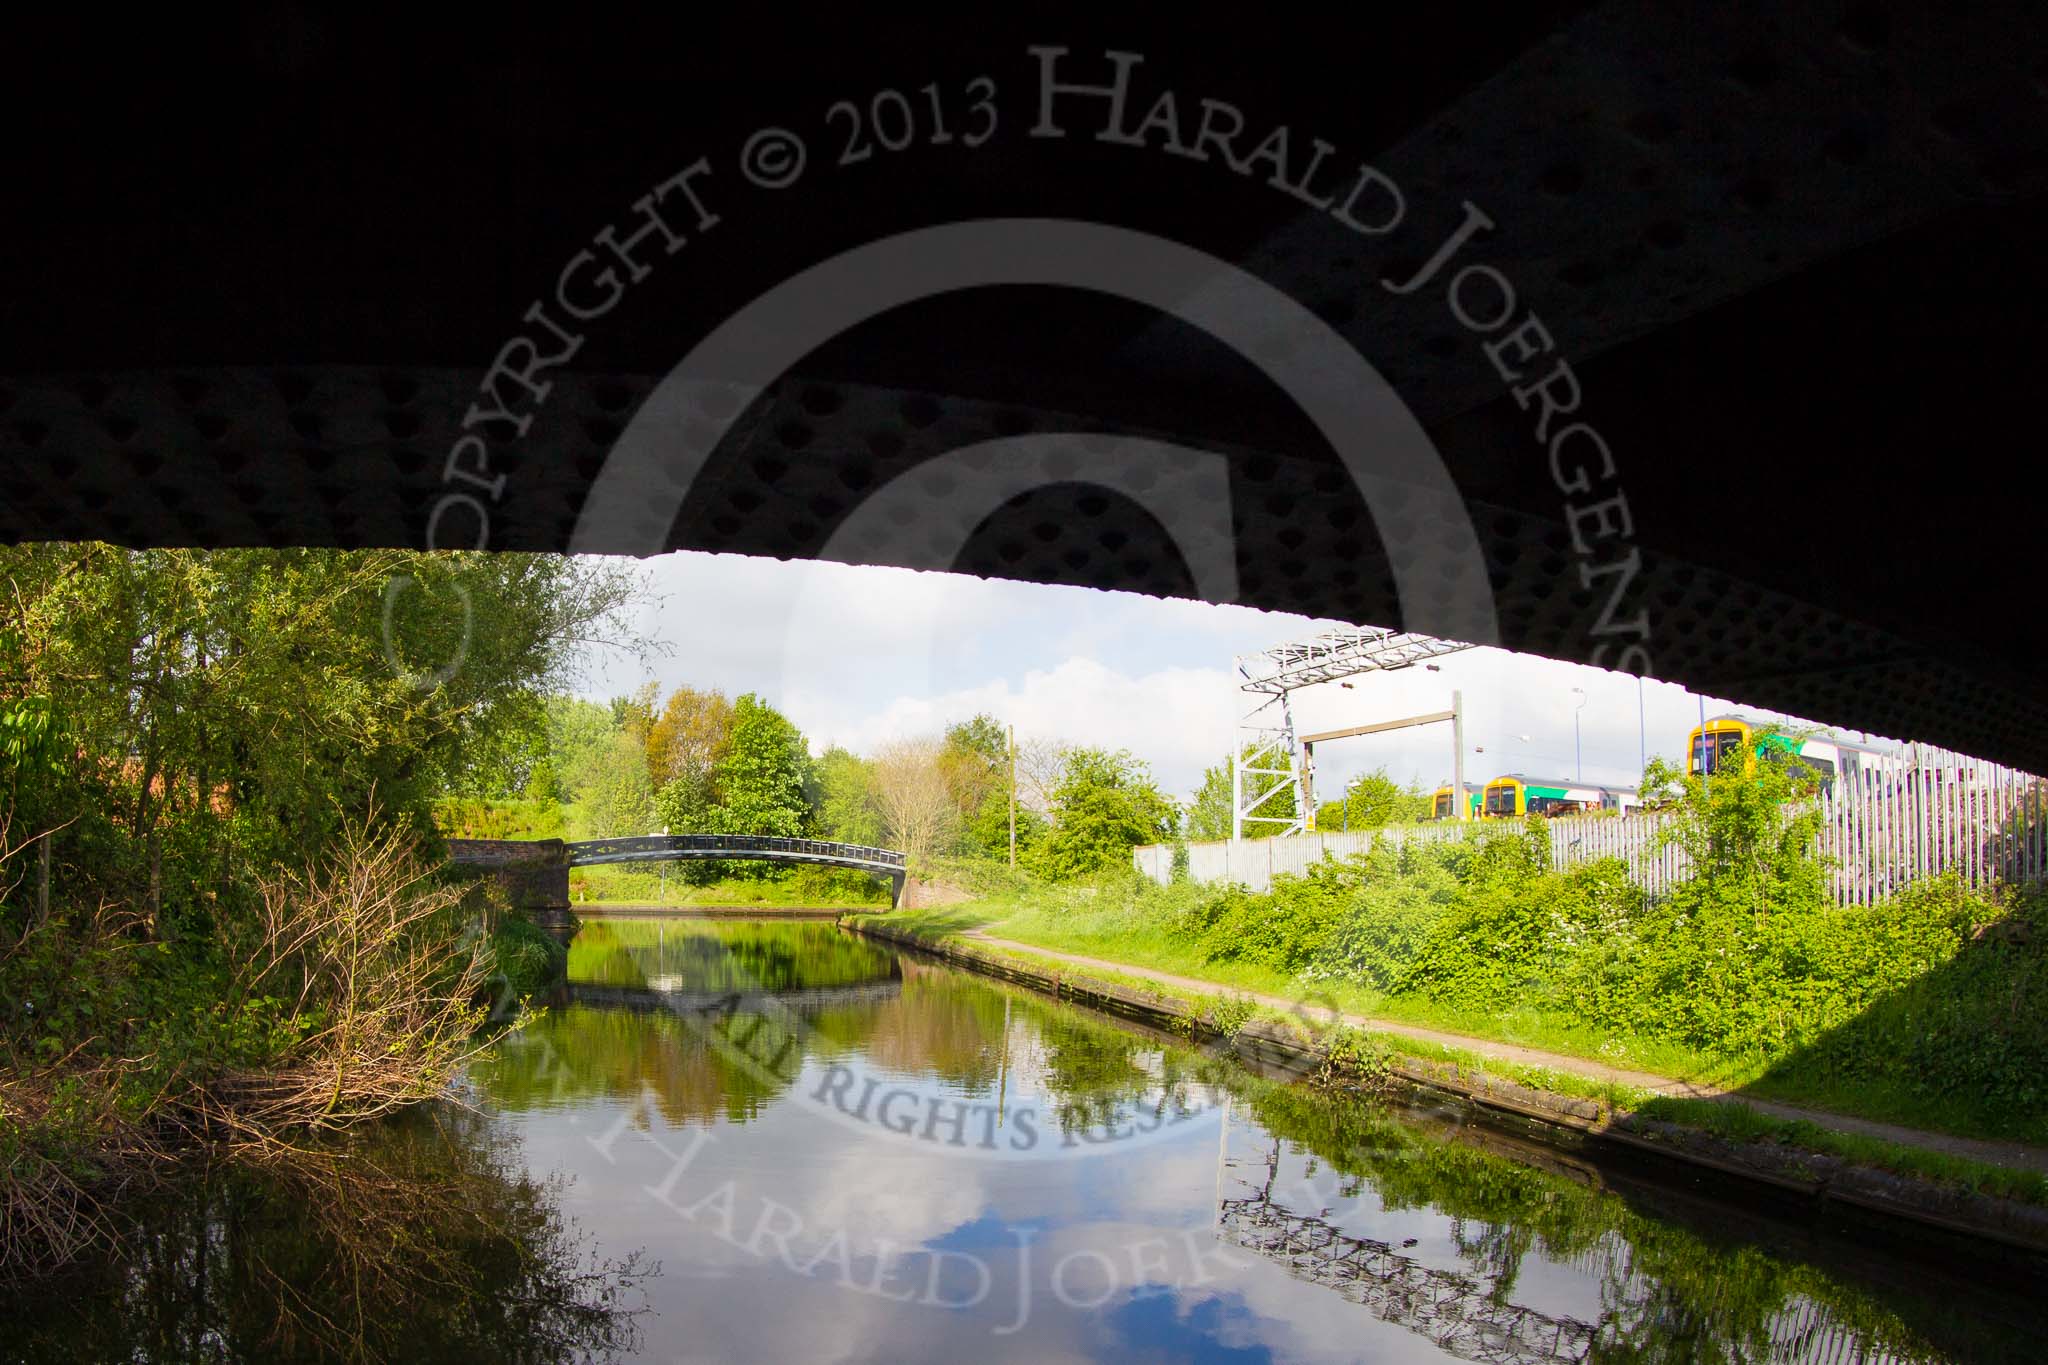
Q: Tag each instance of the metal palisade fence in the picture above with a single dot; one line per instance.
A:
(1879, 831)
(1945, 813)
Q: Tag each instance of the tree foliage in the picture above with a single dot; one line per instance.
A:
(689, 738)
(234, 708)
(763, 779)
(847, 808)
(1106, 805)
(1373, 800)
(915, 797)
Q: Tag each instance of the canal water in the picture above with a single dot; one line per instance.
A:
(775, 1141)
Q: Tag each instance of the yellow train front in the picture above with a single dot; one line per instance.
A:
(1830, 756)
(1442, 805)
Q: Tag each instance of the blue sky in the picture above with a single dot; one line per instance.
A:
(857, 656)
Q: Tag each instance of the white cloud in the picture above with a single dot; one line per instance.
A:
(858, 655)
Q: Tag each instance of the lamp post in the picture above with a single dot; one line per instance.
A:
(1578, 759)
(1642, 729)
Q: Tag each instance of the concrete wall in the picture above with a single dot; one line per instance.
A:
(1254, 862)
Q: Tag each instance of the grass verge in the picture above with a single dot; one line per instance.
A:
(1730, 1120)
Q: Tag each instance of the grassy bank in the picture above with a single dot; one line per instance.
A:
(1921, 1012)
(1370, 1056)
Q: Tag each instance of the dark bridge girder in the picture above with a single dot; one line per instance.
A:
(1791, 257)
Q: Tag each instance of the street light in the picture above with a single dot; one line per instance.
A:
(661, 891)
(1642, 729)
(1578, 761)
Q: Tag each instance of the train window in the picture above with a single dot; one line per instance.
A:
(1500, 800)
(1554, 805)
(1709, 750)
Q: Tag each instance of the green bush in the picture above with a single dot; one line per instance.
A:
(468, 818)
(530, 958)
(1928, 1003)
(1399, 893)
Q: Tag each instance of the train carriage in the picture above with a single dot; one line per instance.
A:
(1441, 806)
(1516, 794)
(1710, 745)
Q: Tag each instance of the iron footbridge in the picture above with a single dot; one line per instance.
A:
(658, 848)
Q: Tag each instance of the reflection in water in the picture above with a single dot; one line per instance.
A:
(714, 957)
(1661, 1292)
(426, 1240)
(944, 1168)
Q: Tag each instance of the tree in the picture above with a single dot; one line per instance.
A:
(1373, 800)
(915, 800)
(763, 779)
(1105, 805)
(685, 806)
(982, 734)
(233, 708)
(689, 738)
(976, 760)
(846, 798)
(619, 801)
(634, 715)
(1041, 764)
(579, 744)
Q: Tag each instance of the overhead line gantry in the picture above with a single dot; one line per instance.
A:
(1265, 732)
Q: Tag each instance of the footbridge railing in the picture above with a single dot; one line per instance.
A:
(655, 848)
(536, 871)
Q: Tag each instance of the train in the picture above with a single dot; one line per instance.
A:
(1830, 757)
(1516, 794)
(1441, 807)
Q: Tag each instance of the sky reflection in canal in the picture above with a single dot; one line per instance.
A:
(943, 1168)
(696, 1157)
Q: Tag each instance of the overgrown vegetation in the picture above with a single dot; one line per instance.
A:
(1923, 1010)
(351, 991)
(221, 916)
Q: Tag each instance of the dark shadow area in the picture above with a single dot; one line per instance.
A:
(424, 1240)
(1964, 1045)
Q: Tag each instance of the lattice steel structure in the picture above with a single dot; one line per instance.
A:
(1265, 732)
(1461, 1314)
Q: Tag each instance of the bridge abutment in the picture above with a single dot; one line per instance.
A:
(533, 873)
